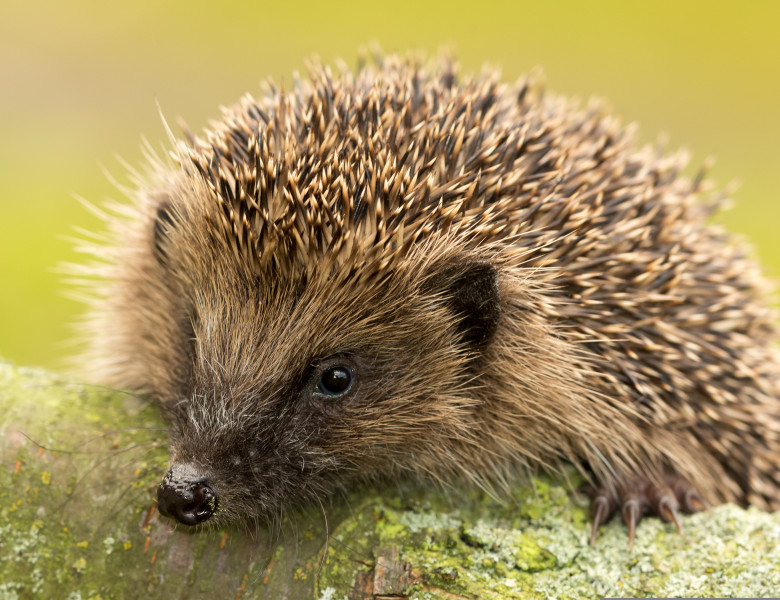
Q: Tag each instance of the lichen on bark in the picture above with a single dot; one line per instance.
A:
(79, 466)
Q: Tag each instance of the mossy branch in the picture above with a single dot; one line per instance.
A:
(80, 464)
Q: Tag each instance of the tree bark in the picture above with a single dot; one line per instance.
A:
(79, 466)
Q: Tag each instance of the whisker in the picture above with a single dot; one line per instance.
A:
(327, 538)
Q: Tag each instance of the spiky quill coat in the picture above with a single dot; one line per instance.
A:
(513, 283)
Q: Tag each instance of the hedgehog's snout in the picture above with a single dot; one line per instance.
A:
(185, 495)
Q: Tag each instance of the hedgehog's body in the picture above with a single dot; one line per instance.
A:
(400, 271)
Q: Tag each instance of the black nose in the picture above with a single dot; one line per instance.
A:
(185, 496)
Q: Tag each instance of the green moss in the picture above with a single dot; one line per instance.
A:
(79, 470)
(75, 523)
(483, 549)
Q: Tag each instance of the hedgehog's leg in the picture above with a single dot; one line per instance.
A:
(640, 498)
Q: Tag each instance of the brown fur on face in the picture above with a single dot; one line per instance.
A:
(512, 283)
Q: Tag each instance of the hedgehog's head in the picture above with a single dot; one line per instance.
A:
(311, 291)
(295, 381)
(317, 339)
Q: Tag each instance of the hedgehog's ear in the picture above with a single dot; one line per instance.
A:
(471, 291)
(163, 223)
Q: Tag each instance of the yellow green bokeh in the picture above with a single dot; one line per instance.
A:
(79, 83)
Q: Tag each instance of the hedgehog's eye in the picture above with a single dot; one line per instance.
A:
(335, 381)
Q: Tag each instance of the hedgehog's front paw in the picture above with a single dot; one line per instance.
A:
(641, 497)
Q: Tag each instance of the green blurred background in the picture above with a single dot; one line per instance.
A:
(79, 82)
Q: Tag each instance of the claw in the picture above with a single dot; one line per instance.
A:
(602, 510)
(664, 503)
(639, 497)
(631, 516)
(692, 502)
(668, 512)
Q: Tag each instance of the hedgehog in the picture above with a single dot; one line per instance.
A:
(405, 272)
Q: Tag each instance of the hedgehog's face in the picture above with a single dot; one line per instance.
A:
(295, 388)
